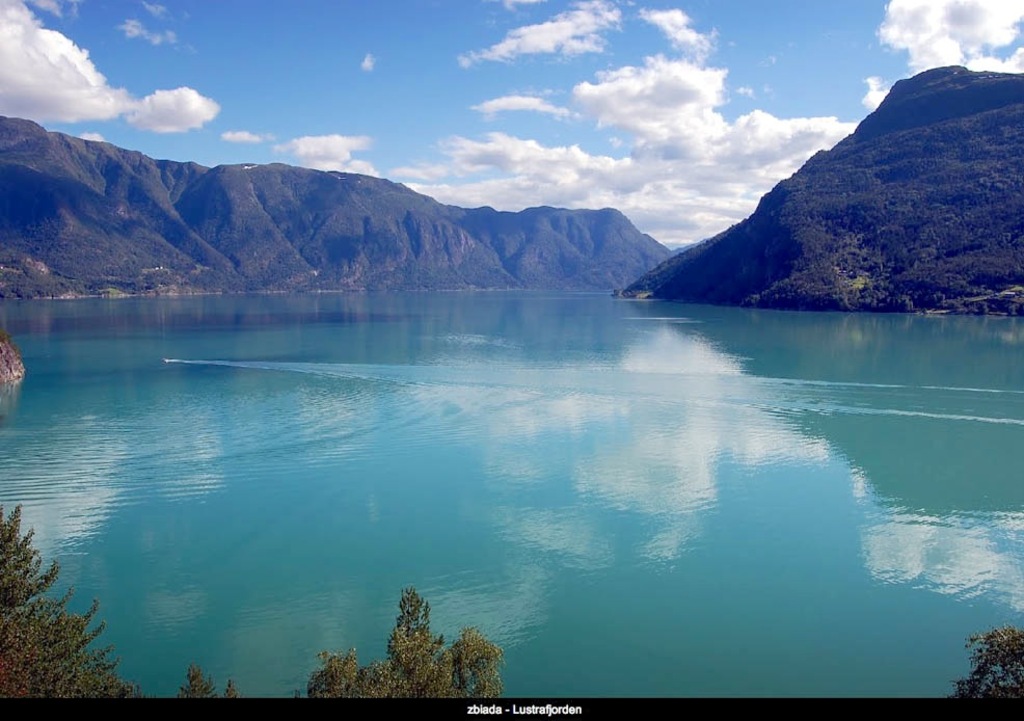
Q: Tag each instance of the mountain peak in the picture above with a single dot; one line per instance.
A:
(920, 209)
(938, 95)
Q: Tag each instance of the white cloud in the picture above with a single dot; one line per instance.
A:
(955, 32)
(675, 24)
(154, 9)
(244, 136)
(528, 158)
(691, 172)
(95, 137)
(45, 76)
(746, 91)
(368, 62)
(135, 29)
(666, 101)
(671, 109)
(877, 90)
(569, 33)
(491, 108)
(329, 152)
(173, 111)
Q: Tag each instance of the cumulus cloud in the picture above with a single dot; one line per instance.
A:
(329, 152)
(490, 108)
(45, 76)
(368, 63)
(675, 24)
(955, 32)
(173, 111)
(690, 172)
(877, 90)
(569, 33)
(135, 29)
(662, 103)
(746, 91)
(96, 137)
(244, 136)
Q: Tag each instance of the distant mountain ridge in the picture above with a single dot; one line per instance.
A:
(79, 216)
(921, 208)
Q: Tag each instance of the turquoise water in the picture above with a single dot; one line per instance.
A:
(633, 499)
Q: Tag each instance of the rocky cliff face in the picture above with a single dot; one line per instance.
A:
(11, 367)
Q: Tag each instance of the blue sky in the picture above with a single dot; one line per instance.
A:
(681, 114)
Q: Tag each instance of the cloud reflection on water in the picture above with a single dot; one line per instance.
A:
(958, 554)
(567, 451)
(644, 435)
(65, 496)
(71, 479)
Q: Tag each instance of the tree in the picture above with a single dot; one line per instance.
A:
(417, 666)
(198, 685)
(45, 650)
(997, 665)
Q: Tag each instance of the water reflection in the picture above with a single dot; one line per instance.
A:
(574, 539)
(66, 496)
(315, 455)
(960, 556)
(512, 609)
(926, 411)
(9, 393)
(647, 434)
(71, 478)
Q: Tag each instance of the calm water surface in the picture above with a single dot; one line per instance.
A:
(633, 499)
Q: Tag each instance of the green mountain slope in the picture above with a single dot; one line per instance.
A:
(83, 217)
(922, 208)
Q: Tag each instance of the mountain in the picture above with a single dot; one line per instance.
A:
(921, 208)
(78, 216)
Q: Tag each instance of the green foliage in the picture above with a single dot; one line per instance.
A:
(997, 665)
(198, 685)
(45, 650)
(417, 666)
